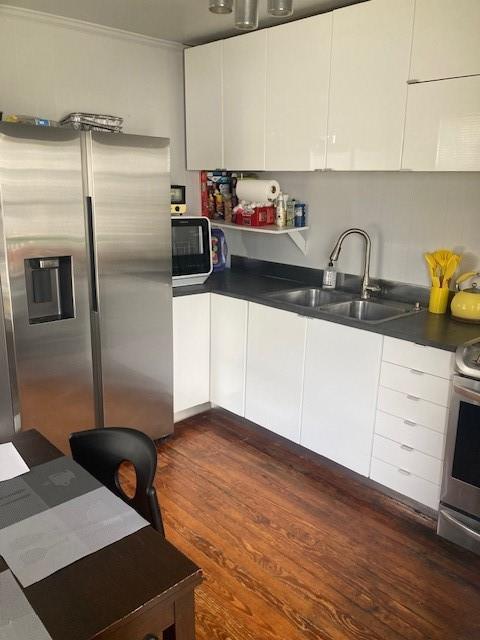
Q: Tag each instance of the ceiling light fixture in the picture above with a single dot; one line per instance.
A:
(246, 11)
(220, 6)
(246, 14)
(280, 8)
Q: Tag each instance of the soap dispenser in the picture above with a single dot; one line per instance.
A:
(329, 276)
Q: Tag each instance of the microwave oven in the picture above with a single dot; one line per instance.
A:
(191, 250)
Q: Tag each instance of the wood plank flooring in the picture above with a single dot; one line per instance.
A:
(295, 547)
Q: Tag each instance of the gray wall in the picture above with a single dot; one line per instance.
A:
(405, 213)
(50, 66)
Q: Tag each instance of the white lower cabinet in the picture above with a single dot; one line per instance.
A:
(321, 384)
(228, 352)
(406, 483)
(275, 355)
(342, 367)
(191, 351)
(411, 420)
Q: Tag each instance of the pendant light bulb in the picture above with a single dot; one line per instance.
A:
(246, 14)
(280, 8)
(220, 6)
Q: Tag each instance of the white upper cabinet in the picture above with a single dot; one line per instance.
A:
(442, 131)
(446, 39)
(298, 69)
(369, 69)
(244, 88)
(203, 105)
(342, 368)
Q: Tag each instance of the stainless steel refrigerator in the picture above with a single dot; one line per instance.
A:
(85, 268)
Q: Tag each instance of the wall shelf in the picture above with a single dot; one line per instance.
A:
(294, 233)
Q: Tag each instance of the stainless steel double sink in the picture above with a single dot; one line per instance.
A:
(345, 305)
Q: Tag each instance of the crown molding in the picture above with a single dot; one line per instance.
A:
(86, 27)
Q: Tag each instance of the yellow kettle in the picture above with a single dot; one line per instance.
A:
(466, 303)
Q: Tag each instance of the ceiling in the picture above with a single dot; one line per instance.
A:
(186, 21)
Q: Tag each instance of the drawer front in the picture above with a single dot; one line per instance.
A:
(416, 488)
(408, 459)
(147, 624)
(415, 383)
(414, 356)
(412, 408)
(411, 434)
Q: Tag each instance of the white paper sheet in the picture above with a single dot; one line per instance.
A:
(18, 621)
(48, 541)
(11, 462)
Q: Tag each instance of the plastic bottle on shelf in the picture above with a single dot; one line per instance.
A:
(281, 213)
(291, 212)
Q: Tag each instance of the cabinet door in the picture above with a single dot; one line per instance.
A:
(244, 82)
(203, 105)
(442, 132)
(342, 367)
(370, 62)
(445, 39)
(298, 70)
(228, 352)
(275, 354)
(191, 351)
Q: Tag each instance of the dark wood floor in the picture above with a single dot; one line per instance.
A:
(296, 547)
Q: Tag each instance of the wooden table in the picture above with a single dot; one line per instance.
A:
(139, 588)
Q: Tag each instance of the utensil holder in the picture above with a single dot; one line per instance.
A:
(438, 300)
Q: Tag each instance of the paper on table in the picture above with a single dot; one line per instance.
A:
(11, 462)
(45, 486)
(48, 541)
(18, 620)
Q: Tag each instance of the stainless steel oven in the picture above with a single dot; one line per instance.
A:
(459, 513)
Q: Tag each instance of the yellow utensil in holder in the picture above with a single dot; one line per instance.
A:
(438, 300)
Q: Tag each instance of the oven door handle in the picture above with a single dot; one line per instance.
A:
(474, 396)
(460, 525)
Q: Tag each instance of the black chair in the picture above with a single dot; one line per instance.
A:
(102, 451)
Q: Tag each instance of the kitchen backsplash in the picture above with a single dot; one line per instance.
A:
(405, 214)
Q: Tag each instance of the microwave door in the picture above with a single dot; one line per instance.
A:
(191, 249)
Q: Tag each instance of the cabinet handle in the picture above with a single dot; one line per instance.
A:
(410, 423)
(404, 472)
(150, 636)
(405, 447)
(416, 372)
(414, 398)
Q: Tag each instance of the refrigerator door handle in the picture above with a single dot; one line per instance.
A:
(91, 254)
(94, 315)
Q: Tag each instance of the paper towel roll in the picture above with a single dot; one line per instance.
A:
(257, 190)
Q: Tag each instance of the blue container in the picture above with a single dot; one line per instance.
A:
(219, 250)
(300, 217)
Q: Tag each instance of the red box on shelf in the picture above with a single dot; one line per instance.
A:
(260, 217)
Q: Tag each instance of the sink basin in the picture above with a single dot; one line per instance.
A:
(371, 311)
(312, 297)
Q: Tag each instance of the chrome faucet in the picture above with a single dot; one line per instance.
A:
(367, 288)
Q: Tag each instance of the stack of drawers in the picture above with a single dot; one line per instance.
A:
(412, 410)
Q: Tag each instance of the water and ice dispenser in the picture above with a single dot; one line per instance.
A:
(49, 289)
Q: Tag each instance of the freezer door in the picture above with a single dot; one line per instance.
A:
(130, 183)
(44, 283)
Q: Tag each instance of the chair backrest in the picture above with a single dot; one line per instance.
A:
(102, 451)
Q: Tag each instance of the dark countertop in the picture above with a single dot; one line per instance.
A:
(440, 331)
